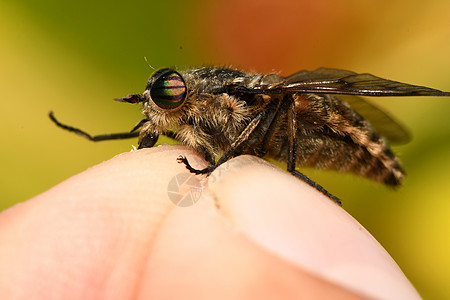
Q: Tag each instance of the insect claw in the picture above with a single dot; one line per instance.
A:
(181, 159)
(184, 160)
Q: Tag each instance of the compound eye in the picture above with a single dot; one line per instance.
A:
(169, 90)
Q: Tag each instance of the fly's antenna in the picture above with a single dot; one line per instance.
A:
(145, 58)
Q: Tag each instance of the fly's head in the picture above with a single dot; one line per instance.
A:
(165, 103)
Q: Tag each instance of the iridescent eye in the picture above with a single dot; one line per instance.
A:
(168, 90)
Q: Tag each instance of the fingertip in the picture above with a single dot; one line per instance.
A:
(289, 218)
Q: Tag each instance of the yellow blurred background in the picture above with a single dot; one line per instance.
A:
(74, 57)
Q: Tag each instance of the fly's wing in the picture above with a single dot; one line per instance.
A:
(347, 84)
(335, 81)
(384, 124)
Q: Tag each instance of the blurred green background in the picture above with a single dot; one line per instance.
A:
(74, 57)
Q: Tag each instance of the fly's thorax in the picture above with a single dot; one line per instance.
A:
(219, 80)
(269, 79)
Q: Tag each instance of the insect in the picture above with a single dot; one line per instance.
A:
(223, 113)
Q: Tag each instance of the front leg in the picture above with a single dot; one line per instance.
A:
(243, 137)
(183, 160)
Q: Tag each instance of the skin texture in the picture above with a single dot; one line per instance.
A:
(255, 232)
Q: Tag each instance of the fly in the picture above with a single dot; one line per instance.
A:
(299, 119)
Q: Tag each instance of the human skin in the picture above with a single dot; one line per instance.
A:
(256, 232)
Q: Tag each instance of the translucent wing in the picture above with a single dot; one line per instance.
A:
(384, 124)
(335, 81)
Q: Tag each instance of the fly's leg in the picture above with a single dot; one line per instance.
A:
(104, 137)
(243, 137)
(315, 185)
(209, 158)
(292, 128)
(148, 141)
(281, 109)
(183, 160)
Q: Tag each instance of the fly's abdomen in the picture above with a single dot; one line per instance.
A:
(343, 155)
